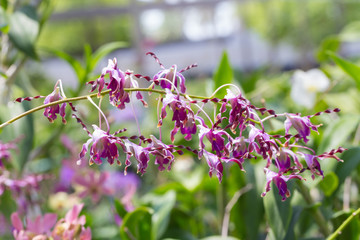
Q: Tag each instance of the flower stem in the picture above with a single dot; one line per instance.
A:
(91, 96)
(343, 225)
(318, 216)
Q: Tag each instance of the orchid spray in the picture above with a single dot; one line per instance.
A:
(236, 134)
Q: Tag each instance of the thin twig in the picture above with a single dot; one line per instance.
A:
(229, 206)
(343, 225)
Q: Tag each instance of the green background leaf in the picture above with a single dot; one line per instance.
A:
(223, 75)
(329, 184)
(351, 69)
(24, 30)
(137, 225)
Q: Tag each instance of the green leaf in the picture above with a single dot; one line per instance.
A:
(162, 205)
(75, 64)
(335, 135)
(223, 75)
(290, 235)
(103, 51)
(332, 44)
(278, 213)
(4, 4)
(120, 209)
(24, 29)
(351, 161)
(348, 67)
(137, 225)
(87, 57)
(329, 184)
(338, 132)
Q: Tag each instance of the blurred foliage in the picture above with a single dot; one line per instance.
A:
(300, 23)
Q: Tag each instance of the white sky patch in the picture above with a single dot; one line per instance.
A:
(226, 21)
(152, 20)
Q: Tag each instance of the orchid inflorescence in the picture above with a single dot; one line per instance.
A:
(236, 134)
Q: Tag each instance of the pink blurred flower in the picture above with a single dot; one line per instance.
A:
(72, 226)
(4, 151)
(94, 185)
(38, 229)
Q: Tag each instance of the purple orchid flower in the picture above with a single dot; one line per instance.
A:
(240, 111)
(162, 152)
(313, 163)
(183, 115)
(50, 112)
(117, 84)
(141, 155)
(263, 144)
(301, 124)
(283, 160)
(4, 151)
(280, 182)
(215, 164)
(170, 77)
(103, 147)
(216, 140)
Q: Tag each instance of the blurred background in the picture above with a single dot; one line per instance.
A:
(280, 34)
(283, 54)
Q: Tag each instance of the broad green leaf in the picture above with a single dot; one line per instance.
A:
(24, 29)
(4, 4)
(87, 58)
(329, 184)
(352, 230)
(223, 75)
(120, 209)
(332, 44)
(290, 235)
(137, 225)
(350, 68)
(351, 161)
(103, 51)
(338, 132)
(162, 206)
(278, 213)
(75, 64)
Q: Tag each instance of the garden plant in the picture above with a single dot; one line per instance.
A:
(124, 155)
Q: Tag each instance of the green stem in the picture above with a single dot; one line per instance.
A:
(94, 95)
(318, 216)
(343, 225)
